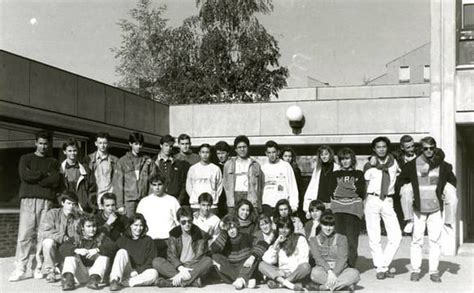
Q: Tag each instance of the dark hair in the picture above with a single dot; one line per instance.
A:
(136, 137)
(184, 136)
(347, 152)
(205, 145)
(222, 146)
(271, 144)
(108, 195)
(327, 218)
(136, 217)
(241, 138)
(276, 213)
(42, 134)
(263, 217)
(205, 197)
(293, 154)
(102, 135)
(406, 138)
(71, 141)
(184, 211)
(428, 140)
(320, 150)
(166, 139)
(316, 205)
(230, 219)
(157, 177)
(72, 196)
(379, 139)
(284, 222)
(244, 202)
(85, 217)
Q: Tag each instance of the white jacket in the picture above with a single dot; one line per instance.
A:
(288, 264)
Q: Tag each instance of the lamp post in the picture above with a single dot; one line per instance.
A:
(296, 118)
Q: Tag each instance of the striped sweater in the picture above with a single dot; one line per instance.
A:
(347, 189)
(238, 249)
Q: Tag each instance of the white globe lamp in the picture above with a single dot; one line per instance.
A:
(296, 118)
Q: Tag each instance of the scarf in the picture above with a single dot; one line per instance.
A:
(385, 175)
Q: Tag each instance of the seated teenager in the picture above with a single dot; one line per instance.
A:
(109, 220)
(186, 260)
(245, 213)
(235, 254)
(159, 210)
(205, 219)
(86, 258)
(57, 226)
(265, 232)
(133, 261)
(331, 254)
(315, 210)
(286, 262)
(283, 210)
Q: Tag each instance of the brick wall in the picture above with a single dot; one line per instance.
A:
(8, 233)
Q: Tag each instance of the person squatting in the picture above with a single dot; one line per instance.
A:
(186, 220)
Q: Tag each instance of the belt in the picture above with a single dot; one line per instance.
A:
(376, 194)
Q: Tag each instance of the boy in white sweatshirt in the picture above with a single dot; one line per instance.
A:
(280, 181)
(204, 177)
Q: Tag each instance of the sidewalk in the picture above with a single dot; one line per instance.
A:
(457, 276)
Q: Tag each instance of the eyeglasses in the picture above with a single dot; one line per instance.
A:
(428, 148)
(156, 184)
(184, 222)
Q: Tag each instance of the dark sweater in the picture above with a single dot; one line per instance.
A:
(238, 249)
(39, 177)
(106, 247)
(113, 231)
(347, 188)
(324, 194)
(175, 174)
(141, 252)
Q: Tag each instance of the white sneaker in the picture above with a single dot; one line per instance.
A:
(17, 276)
(408, 227)
(38, 274)
(252, 283)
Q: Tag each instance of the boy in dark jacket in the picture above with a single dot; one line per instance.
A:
(186, 260)
(109, 221)
(87, 256)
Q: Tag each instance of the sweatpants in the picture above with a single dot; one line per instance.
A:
(167, 270)
(346, 278)
(271, 271)
(122, 268)
(349, 226)
(75, 266)
(229, 272)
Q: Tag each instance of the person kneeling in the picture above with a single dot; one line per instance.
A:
(133, 261)
(186, 260)
(331, 253)
(286, 261)
(86, 259)
(235, 255)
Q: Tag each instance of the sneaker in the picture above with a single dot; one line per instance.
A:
(67, 282)
(17, 276)
(272, 284)
(93, 282)
(415, 277)
(51, 277)
(408, 227)
(381, 275)
(388, 274)
(298, 287)
(38, 274)
(252, 283)
(239, 284)
(115, 285)
(435, 278)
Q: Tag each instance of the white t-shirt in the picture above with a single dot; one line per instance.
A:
(280, 183)
(204, 178)
(160, 214)
(210, 225)
(374, 176)
(241, 175)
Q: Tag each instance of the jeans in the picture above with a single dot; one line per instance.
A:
(131, 207)
(346, 278)
(50, 252)
(32, 210)
(349, 225)
(230, 272)
(374, 210)
(434, 223)
(167, 270)
(122, 268)
(271, 271)
(75, 266)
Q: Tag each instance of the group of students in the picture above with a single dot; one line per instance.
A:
(179, 220)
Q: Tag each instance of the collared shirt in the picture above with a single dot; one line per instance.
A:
(72, 174)
(103, 176)
(374, 176)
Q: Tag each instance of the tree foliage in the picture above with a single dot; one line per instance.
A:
(221, 55)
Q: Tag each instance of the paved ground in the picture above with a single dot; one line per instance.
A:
(457, 275)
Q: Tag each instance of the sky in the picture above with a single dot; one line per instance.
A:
(342, 42)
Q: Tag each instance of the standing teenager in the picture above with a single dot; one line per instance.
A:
(185, 152)
(289, 155)
(222, 153)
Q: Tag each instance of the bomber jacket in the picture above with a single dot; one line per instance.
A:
(56, 225)
(255, 178)
(175, 245)
(85, 188)
(125, 183)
